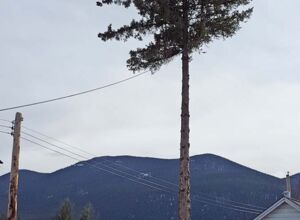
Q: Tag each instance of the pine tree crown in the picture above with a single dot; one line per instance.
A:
(163, 19)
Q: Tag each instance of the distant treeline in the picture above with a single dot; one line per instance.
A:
(65, 212)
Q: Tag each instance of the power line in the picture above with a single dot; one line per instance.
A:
(5, 132)
(210, 198)
(91, 165)
(227, 206)
(5, 120)
(5, 126)
(94, 155)
(86, 152)
(74, 94)
(140, 173)
(149, 182)
(86, 158)
(59, 141)
(221, 200)
(160, 187)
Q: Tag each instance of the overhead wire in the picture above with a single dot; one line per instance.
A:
(74, 94)
(5, 132)
(227, 206)
(5, 126)
(58, 141)
(222, 199)
(141, 173)
(94, 155)
(151, 182)
(91, 165)
(5, 120)
(86, 158)
(211, 198)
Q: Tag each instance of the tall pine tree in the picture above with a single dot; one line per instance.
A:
(64, 212)
(87, 212)
(178, 27)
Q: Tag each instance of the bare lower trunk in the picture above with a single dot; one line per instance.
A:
(184, 179)
(184, 176)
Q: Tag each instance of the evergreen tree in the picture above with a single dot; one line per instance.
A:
(87, 212)
(178, 27)
(65, 211)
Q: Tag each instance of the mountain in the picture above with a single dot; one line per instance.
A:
(110, 185)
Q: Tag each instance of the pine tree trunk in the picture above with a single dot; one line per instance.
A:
(184, 176)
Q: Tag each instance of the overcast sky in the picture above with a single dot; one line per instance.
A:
(245, 103)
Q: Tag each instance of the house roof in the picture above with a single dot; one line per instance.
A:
(292, 202)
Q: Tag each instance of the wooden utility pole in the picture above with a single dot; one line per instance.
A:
(14, 172)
